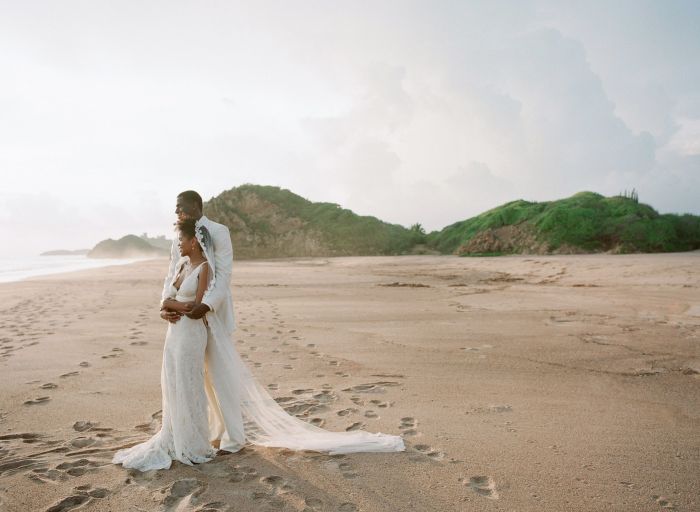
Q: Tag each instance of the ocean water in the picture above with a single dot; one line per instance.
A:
(17, 269)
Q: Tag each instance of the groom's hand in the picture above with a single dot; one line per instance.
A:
(198, 311)
(170, 316)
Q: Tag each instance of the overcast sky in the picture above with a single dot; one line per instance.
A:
(411, 111)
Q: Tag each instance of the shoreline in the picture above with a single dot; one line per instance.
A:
(79, 264)
(297, 259)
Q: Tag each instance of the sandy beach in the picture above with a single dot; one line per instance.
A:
(543, 383)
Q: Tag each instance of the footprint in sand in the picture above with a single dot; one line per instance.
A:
(347, 470)
(304, 406)
(116, 352)
(69, 503)
(372, 387)
(408, 426)
(313, 503)
(277, 487)
(84, 364)
(82, 426)
(44, 475)
(243, 473)
(49, 385)
(70, 374)
(371, 414)
(379, 403)
(345, 412)
(78, 467)
(276, 482)
(482, 485)
(430, 451)
(273, 386)
(347, 507)
(87, 489)
(139, 343)
(663, 502)
(181, 493)
(357, 400)
(38, 400)
(337, 461)
(83, 442)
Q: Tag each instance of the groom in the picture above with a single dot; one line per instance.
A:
(217, 300)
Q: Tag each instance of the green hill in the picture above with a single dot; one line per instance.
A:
(583, 223)
(271, 222)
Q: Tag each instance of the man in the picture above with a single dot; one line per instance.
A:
(218, 299)
(225, 416)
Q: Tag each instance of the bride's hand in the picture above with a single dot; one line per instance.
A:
(170, 315)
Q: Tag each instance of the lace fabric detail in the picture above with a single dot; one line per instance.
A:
(207, 244)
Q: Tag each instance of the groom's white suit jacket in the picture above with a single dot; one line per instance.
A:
(219, 297)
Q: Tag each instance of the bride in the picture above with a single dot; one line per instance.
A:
(209, 395)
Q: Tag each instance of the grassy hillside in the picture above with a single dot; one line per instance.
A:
(269, 222)
(584, 222)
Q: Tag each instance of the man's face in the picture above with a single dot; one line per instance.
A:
(184, 210)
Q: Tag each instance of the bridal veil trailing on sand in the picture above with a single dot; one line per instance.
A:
(242, 407)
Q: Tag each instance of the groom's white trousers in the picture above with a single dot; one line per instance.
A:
(225, 419)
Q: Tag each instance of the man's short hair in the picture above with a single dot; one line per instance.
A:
(191, 197)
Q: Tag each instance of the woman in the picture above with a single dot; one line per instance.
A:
(184, 434)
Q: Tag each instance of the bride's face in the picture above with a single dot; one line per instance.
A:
(186, 244)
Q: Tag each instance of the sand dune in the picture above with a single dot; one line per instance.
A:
(518, 383)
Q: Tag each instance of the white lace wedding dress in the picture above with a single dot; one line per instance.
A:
(209, 394)
(184, 434)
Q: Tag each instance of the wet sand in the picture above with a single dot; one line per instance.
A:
(518, 383)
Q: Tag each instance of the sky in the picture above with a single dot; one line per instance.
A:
(411, 111)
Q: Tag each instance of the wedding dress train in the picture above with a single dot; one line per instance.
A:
(209, 394)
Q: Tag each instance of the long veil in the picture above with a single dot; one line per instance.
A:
(241, 410)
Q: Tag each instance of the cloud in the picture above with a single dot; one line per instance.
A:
(412, 112)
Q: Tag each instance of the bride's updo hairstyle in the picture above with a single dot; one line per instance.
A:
(186, 227)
